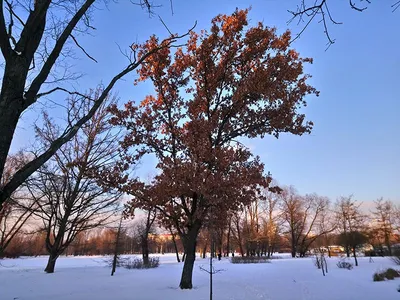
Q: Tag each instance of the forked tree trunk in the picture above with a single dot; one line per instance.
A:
(189, 242)
(51, 263)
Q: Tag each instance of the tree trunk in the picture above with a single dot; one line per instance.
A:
(239, 239)
(189, 241)
(175, 246)
(204, 250)
(293, 244)
(355, 256)
(116, 250)
(51, 263)
(145, 249)
(387, 242)
(348, 250)
(228, 240)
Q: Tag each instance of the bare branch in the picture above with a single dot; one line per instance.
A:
(83, 49)
(166, 27)
(61, 89)
(395, 6)
(44, 72)
(353, 6)
(20, 176)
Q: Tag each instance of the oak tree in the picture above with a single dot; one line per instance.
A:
(229, 82)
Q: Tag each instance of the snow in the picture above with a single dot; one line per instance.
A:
(283, 279)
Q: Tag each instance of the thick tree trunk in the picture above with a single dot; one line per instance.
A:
(145, 250)
(189, 242)
(51, 263)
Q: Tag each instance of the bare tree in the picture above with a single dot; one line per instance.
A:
(292, 213)
(350, 224)
(272, 220)
(237, 221)
(14, 214)
(304, 217)
(319, 11)
(314, 222)
(384, 214)
(69, 199)
(37, 39)
(143, 229)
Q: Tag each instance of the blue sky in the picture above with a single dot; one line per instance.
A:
(355, 145)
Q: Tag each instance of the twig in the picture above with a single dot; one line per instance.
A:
(166, 27)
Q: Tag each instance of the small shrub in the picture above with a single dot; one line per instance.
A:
(342, 264)
(137, 263)
(391, 274)
(249, 260)
(120, 261)
(379, 277)
(388, 274)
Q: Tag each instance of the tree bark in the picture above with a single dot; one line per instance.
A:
(51, 263)
(293, 244)
(175, 246)
(228, 240)
(204, 250)
(355, 256)
(145, 249)
(189, 241)
(116, 250)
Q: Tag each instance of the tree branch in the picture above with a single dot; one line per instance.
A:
(80, 47)
(21, 175)
(44, 72)
(60, 89)
(4, 41)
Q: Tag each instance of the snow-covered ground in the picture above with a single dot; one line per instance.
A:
(87, 278)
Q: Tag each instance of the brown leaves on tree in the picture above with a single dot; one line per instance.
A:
(227, 83)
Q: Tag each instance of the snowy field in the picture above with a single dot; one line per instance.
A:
(88, 278)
